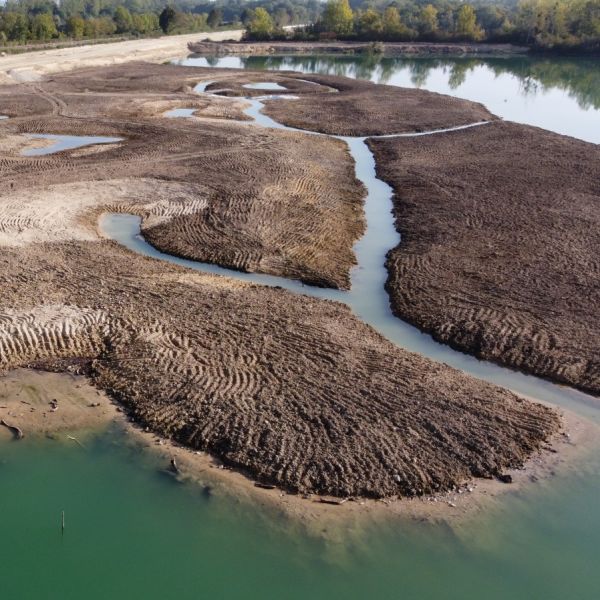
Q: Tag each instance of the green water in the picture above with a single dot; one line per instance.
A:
(133, 532)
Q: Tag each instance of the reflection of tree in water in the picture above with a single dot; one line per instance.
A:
(578, 77)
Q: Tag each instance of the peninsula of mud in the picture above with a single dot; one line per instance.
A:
(500, 245)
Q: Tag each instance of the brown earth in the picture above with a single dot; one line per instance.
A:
(362, 108)
(277, 202)
(500, 245)
(290, 390)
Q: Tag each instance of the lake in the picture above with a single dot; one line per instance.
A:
(132, 531)
(559, 94)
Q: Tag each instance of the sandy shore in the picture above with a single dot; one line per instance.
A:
(567, 451)
(34, 65)
(28, 399)
(56, 405)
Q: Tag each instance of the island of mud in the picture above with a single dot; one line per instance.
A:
(290, 390)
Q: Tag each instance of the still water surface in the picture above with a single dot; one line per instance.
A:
(131, 532)
(558, 94)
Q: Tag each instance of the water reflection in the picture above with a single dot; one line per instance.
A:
(532, 90)
(580, 78)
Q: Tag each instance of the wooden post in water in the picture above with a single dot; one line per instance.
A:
(62, 529)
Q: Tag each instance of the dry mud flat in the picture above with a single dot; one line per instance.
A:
(277, 202)
(290, 390)
(500, 252)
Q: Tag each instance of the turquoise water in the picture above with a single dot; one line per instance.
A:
(131, 531)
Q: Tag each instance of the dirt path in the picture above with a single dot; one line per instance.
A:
(31, 66)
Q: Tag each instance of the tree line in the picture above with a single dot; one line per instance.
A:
(45, 21)
(545, 24)
(23, 21)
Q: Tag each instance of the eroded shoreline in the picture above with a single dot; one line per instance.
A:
(69, 410)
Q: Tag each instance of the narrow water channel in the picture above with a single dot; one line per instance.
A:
(367, 296)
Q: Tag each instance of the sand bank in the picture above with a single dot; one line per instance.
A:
(33, 66)
(52, 404)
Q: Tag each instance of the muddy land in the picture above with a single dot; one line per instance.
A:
(288, 389)
(500, 245)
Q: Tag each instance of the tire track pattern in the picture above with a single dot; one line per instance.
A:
(502, 266)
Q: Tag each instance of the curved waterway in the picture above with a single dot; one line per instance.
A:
(367, 296)
(132, 532)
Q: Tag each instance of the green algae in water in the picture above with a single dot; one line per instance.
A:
(131, 531)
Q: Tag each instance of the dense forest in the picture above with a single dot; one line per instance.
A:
(26, 21)
(542, 24)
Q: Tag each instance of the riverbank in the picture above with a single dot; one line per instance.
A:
(210, 48)
(566, 453)
(67, 408)
(504, 268)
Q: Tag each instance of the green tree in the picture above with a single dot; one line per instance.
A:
(369, 24)
(428, 20)
(43, 27)
(166, 18)
(123, 20)
(466, 23)
(393, 27)
(16, 26)
(338, 17)
(215, 16)
(75, 27)
(260, 26)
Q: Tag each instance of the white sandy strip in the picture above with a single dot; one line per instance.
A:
(51, 330)
(54, 213)
(31, 66)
